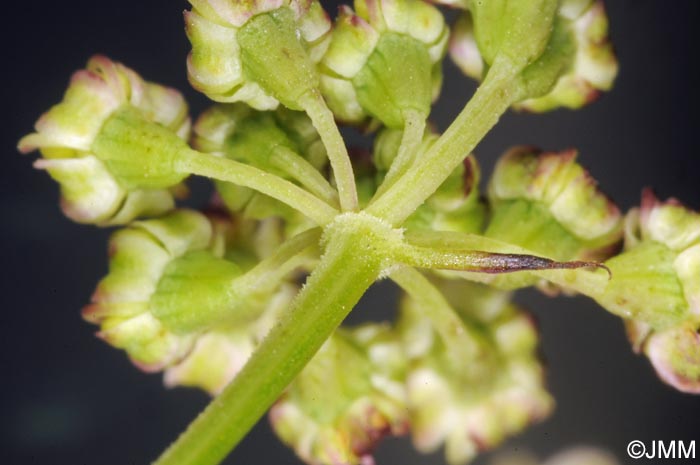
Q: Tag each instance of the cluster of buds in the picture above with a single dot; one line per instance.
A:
(349, 397)
(193, 293)
(472, 392)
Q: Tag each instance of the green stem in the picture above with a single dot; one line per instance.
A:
(442, 315)
(300, 169)
(349, 266)
(491, 100)
(223, 169)
(286, 258)
(324, 122)
(413, 130)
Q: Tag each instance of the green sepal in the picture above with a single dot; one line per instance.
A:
(645, 286)
(517, 30)
(538, 78)
(273, 56)
(194, 292)
(139, 153)
(382, 86)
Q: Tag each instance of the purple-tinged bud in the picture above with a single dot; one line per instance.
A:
(73, 136)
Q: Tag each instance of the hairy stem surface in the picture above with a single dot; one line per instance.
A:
(324, 122)
(223, 169)
(349, 266)
(491, 100)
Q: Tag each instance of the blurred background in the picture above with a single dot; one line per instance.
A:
(67, 398)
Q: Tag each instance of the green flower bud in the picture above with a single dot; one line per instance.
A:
(371, 55)
(219, 354)
(108, 144)
(656, 288)
(591, 66)
(577, 65)
(346, 399)
(262, 52)
(517, 31)
(656, 280)
(121, 304)
(473, 396)
(548, 203)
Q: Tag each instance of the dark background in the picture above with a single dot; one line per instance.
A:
(70, 399)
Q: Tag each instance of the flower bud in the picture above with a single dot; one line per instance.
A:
(576, 66)
(656, 280)
(491, 390)
(656, 288)
(548, 204)
(131, 303)
(261, 52)
(346, 399)
(384, 60)
(517, 31)
(109, 144)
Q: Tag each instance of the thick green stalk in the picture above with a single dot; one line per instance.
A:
(349, 266)
(324, 122)
(223, 169)
(498, 91)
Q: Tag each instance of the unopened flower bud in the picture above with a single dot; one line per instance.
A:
(384, 60)
(576, 66)
(348, 397)
(261, 52)
(131, 304)
(473, 395)
(519, 32)
(656, 280)
(547, 203)
(109, 144)
(656, 288)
